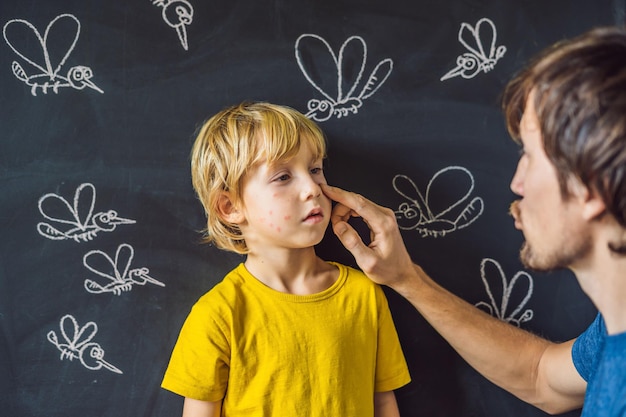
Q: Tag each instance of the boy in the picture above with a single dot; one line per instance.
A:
(285, 333)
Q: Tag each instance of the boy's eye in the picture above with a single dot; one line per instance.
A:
(283, 177)
(316, 170)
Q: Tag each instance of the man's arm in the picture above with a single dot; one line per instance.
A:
(535, 370)
(385, 404)
(197, 408)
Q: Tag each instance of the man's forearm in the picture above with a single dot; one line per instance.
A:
(506, 355)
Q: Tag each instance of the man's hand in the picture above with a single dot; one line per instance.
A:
(385, 260)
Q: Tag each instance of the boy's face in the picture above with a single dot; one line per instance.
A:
(283, 205)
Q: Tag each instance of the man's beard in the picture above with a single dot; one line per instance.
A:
(561, 257)
(528, 259)
(571, 249)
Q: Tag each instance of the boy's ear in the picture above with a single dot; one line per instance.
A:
(228, 211)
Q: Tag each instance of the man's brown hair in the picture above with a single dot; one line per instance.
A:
(579, 88)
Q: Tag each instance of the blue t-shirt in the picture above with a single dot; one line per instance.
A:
(601, 360)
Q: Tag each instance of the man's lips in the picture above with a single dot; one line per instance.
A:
(515, 212)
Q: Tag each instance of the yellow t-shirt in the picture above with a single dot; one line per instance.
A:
(268, 353)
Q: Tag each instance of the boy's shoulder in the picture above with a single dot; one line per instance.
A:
(224, 293)
(354, 276)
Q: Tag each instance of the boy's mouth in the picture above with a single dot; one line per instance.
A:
(315, 213)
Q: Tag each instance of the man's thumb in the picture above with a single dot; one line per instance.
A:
(349, 238)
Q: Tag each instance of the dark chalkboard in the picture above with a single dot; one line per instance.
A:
(100, 255)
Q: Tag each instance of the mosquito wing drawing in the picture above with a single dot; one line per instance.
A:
(442, 209)
(507, 299)
(77, 344)
(482, 53)
(18, 32)
(76, 221)
(115, 274)
(338, 77)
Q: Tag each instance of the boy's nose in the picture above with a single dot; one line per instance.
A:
(311, 189)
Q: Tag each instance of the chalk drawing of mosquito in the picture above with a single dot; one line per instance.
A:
(77, 344)
(49, 77)
(496, 284)
(313, 54)
(483, 55)
(431, 216)
(119, 276)
(78, 220)
(178, 14)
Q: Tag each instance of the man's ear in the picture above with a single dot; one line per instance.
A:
(228, 211)
(593, 205)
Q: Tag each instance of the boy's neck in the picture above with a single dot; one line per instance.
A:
(299, 272)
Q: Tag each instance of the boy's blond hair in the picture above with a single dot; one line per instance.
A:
(231, 143)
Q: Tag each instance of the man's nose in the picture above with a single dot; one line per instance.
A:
(517, 182)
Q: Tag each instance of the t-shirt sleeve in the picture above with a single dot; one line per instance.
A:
(391, 369)
(586, 347)
(199, 364)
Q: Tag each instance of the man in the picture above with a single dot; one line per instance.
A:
(568, 111)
